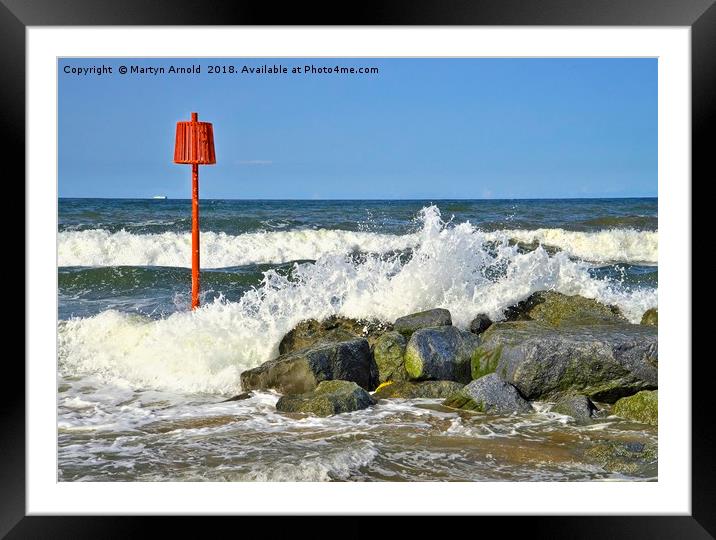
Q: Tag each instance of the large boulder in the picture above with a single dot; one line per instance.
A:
(311, 331)
(641, 407)
(329, 397)
(441, 354)
(604, 362)
(557, 309)
(489, 394)
(650, 317)
(389, 354)
(412, 390)
(301, 371)
(580, 408)
(424, 319)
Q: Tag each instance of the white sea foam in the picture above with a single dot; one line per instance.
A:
(206, 350)
(99, 247)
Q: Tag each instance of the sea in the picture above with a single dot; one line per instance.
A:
(142, 380)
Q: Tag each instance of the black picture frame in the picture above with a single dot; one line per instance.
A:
(699, 15)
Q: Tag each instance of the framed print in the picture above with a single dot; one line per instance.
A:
(395, 265)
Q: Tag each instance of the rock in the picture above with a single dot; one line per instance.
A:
(557, 309)
(329, 397)
(480, 323)
(425, 319)
(412, 390)
(604, 362)
(650, 317)
(239, 397)
(441, 354)
(641, 407)
(489, 394)
(302, 370)
(626, 457)
(310, 332)
(389, 354)
(578, 407)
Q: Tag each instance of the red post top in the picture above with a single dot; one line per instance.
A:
(194, 142)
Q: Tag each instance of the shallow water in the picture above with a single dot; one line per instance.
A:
(141, 378)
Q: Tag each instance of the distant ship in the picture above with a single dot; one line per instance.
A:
(160, 197)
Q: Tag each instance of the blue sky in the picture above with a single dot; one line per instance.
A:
(419, 129)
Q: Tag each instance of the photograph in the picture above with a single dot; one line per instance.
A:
(357, 269)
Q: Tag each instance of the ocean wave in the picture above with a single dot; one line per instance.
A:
(100, 247)
(454, 267)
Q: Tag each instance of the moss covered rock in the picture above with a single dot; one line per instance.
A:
(329, 398)
(641, 407)
(423, 319)
(310, 332)
(440, 354)
(626, 457)
(412, 390)
(557, 309)
(489, 394)
(580, 408)
(650, 317)
(389, 354)
(301, 371)
(604, 361)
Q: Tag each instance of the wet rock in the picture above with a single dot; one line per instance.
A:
(641, 407)
(329, 398)
(650, 317)
(239, 397)
(626, 457)
(441, 353)
(302, 370)
(412, 390)
(480, 323)
(489, 394)
(604, 362)
(557, 309)
(310, 332)
(578, 407)
(389, 354)
(424, 319)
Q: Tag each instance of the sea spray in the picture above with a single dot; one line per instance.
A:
(457, 267)
(99, 247)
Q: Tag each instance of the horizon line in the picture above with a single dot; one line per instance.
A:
(369, 199)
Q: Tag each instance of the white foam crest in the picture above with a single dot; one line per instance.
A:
(99, 247)
(207, 349)
(609, 245)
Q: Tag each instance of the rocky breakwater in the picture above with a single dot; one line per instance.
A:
(551, 347)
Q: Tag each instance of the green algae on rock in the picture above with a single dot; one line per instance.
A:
(329, 398)
(389, 354)
(603, 361)
(641, 407)
(422, 389)
(650, 317)
(441, 353)
(557, 309)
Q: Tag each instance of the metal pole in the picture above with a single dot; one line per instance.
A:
(194, 228)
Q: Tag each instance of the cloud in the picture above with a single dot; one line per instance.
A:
(255, 162)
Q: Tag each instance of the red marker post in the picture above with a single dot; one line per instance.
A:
(195, 146)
